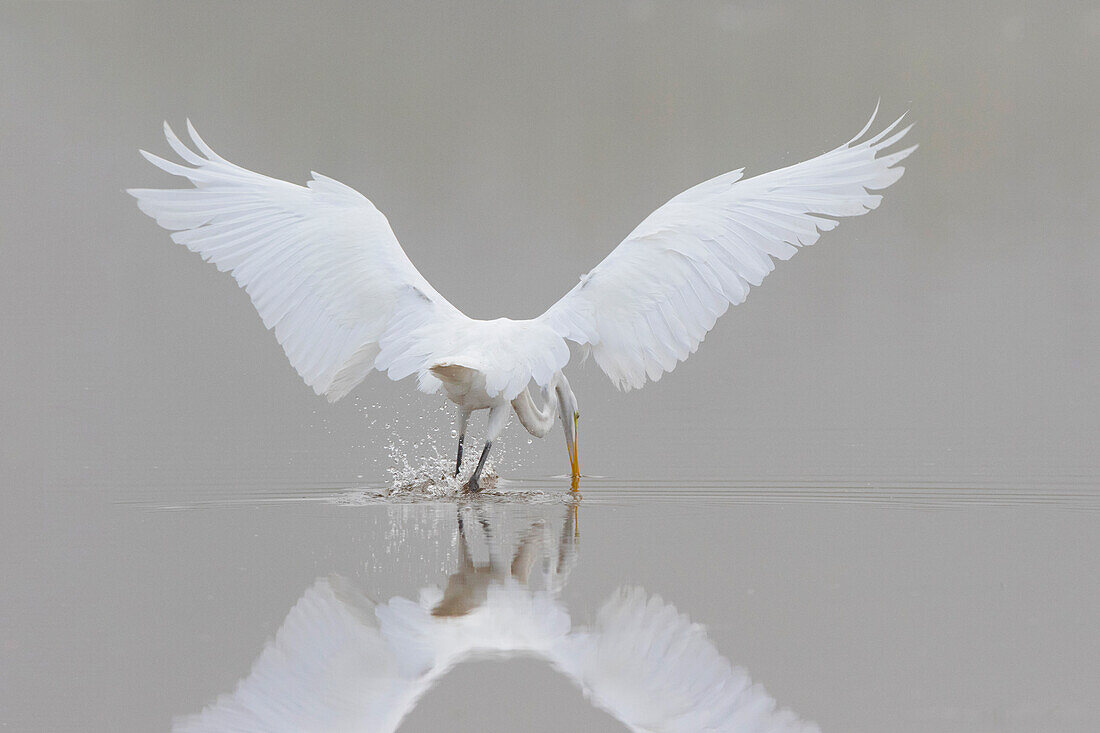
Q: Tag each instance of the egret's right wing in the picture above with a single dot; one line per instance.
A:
(651, 301)
(320, 262)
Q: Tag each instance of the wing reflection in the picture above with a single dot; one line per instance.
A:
(342, 663)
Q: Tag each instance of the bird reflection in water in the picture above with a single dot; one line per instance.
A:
(343, 663)
(468, 588)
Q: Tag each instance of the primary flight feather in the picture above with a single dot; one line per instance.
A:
(325, 271)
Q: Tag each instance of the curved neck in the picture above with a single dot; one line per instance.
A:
(538, 421)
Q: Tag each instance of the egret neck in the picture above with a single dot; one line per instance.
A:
(538, 421)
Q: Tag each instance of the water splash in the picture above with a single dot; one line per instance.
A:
(433, 475)
(416, 477)
(418, 461)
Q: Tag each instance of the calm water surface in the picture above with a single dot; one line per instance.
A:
(948, 608)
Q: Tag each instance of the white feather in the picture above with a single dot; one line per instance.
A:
(650, 302)
(326, 273)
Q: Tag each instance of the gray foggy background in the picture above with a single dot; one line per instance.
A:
(949, 339)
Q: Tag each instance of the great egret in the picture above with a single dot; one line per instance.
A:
(326, 272)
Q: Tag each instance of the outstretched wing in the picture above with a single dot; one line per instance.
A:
(319, 261)
(649, 304)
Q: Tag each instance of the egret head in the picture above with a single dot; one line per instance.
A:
(570, 415)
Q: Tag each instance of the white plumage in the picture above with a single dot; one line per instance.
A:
(649, 304)
(326, 272)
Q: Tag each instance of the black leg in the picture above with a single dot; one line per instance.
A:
(458, 463)
(472, 484)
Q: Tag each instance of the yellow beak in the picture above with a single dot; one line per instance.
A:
(573, 453)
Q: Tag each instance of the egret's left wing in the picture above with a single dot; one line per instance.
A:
(649, 304)
(319, 261)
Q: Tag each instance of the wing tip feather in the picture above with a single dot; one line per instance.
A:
(201, 144)
(866, 127)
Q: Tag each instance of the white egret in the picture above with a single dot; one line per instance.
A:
(326, 272)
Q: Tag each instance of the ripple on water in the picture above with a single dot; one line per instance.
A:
(433, 479)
